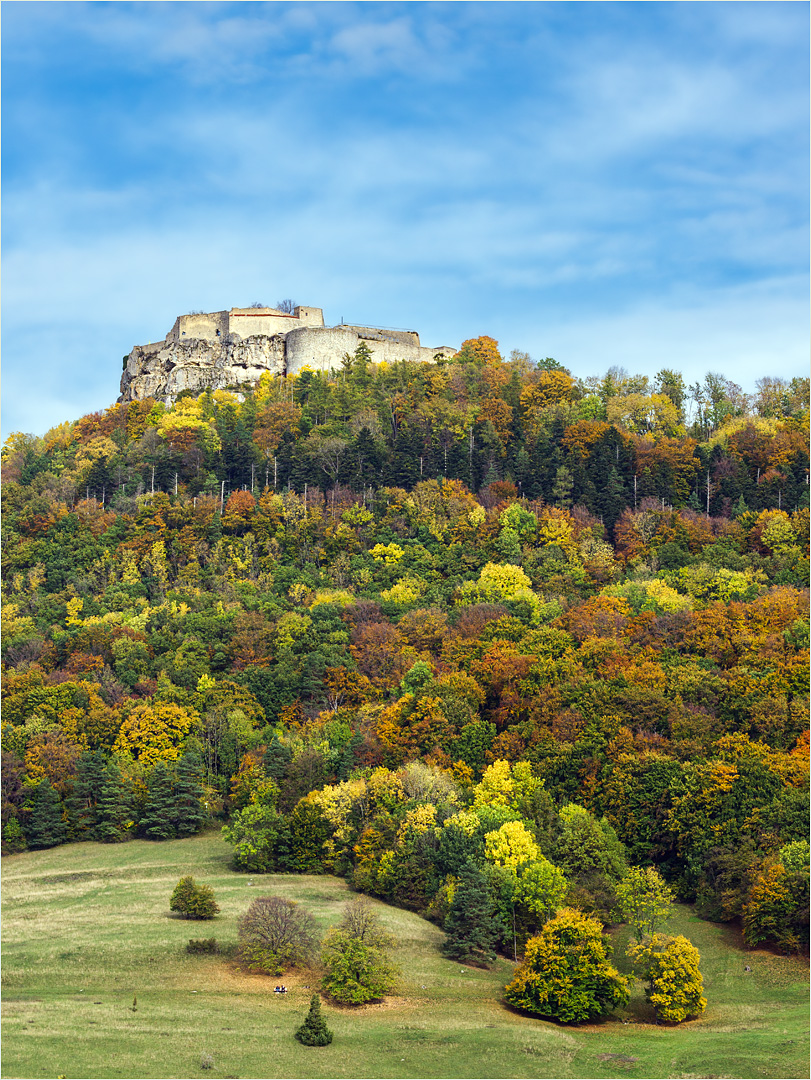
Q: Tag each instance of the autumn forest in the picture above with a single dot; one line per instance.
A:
(392, 622)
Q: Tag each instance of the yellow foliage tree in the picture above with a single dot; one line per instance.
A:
(675, 985)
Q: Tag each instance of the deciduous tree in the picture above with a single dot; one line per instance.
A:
(566, 974)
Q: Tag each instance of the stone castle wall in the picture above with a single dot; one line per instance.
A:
(229, 348)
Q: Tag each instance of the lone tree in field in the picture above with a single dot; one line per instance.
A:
(566, 974)
(314, 1030)
(193, 901)
(471, 928)
(355, 955)
(275, 934)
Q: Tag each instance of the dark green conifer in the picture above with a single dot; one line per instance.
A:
(314, 1030)
(46, 827)
(190, 813)
(115, 807)
(82, 804)
(276, 759)
(157, 819)
(471, 928)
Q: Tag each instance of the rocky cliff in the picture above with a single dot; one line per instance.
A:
(167, 368)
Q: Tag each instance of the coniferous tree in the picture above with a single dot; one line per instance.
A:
(82, 805)
(471, 928)
(314, 1030)
(157, 819)
(276, 759)
(190, 813)
(115, 807)
(46, 827)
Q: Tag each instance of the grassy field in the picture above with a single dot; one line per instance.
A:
(87, 928)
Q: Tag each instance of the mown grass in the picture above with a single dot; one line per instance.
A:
(87, 928)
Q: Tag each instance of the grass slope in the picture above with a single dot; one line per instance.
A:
(87, 927)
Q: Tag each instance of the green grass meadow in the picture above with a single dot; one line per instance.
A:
(86, 928)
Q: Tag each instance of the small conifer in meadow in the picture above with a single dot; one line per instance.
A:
(314, 1030)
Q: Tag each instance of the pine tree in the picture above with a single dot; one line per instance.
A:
(190, 814)
(471, 928)
(45, 827)
(156, 821)
(276, 759)
(314, 1030)
(82, 805)
(115, 807)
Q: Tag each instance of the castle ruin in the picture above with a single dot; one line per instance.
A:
(228, 348)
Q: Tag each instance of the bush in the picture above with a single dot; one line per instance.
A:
(275, 934)
(565, 974)
(193, 901)
(203, 945)
(675, 985)
(314, 1030)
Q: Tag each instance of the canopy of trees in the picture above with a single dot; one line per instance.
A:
(402, 620)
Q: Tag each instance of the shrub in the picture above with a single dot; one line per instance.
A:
(675, 985)
(314, 1030)
(203, 945)
(565, 974)
(275, 934)
(193, 901)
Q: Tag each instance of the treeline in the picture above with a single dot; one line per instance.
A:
(605, 444)
(338, 669)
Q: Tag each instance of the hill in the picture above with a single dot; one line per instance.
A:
(388, 621)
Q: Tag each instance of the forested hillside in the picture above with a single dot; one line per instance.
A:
(396, 619)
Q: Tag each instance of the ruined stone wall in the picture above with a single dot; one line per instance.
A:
(321, 348)
(247, 322)
(204, 327)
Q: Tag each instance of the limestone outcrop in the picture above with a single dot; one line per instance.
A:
(226, 349)
(164, 370)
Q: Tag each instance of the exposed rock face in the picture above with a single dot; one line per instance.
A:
(164, 370)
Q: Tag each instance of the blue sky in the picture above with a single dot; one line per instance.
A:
(604, 183)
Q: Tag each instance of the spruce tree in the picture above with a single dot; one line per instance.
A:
(45, 827)
(314, 1030)
(114, 807)
(276, 759)
(190, 814)
(157, 819)
(82, 805)
(471, 928)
